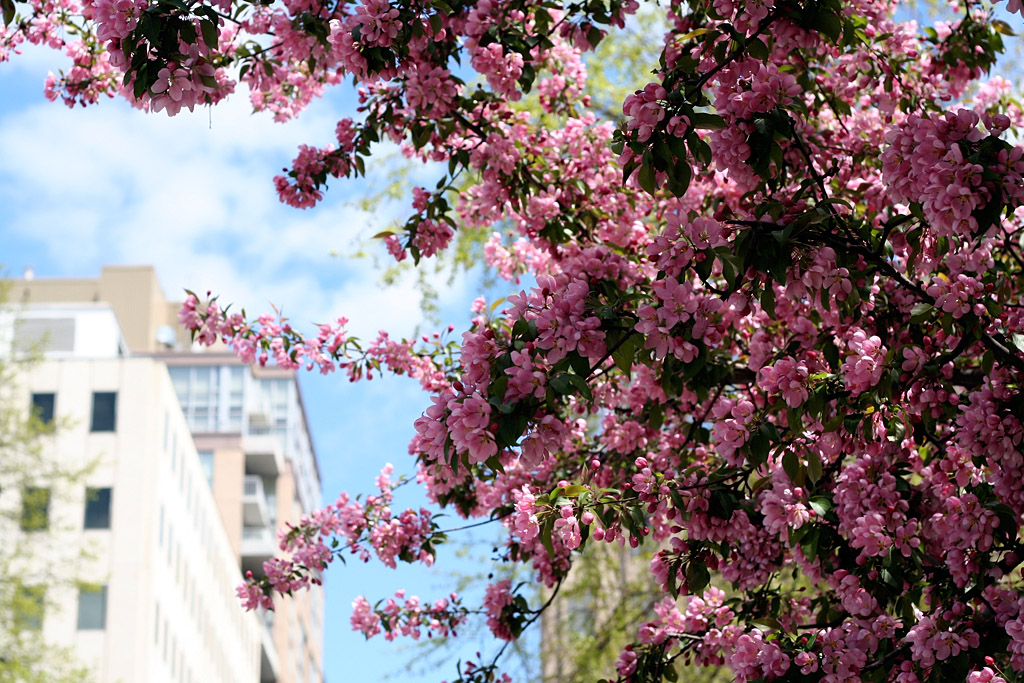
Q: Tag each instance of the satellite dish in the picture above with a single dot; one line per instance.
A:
(166, 335)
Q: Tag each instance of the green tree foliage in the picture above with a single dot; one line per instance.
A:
(36, 563)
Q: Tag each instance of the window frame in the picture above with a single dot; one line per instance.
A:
(103, 427)
(93, 495)
(45, 414)
(35, 508)
(87, 617)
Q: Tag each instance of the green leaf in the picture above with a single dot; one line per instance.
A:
(920, 312)
(581, 386)
(692, 34)
(187, 32)
(814, 467)
(647, 178)
(793, 467)
(638, 519)
(421, 136)
(833, 424)
(760, 484)
(821, 506)
(623, 356)
(571, 491)
(579, 364)
(757, 49)
(1002, 27)
(677, 500)
(831, 352)
(561, 384)
(988, 359)
(759, 445)
(697, 576)
(510, 428)
(768, 300)
(149, 25)
(829, 25)
(679, 178)
(809, 543)
(545, 535)
(210, 33)
(8, 10)
(703, 121)
(769, 623)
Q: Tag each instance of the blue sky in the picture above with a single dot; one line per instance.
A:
(193, 196)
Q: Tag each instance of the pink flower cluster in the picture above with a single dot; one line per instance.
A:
(497, 598)
(409, 618)
(925, 162)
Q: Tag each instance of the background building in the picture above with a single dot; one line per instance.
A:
(237, 463)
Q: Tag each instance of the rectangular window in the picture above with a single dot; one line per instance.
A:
(97, 508)
(104, 411)
(28, 608)
(206, 462)
(35, 508)
(42, 407)
(92, 608)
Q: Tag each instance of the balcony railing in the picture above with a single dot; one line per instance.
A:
(255, 511)
(258, 543)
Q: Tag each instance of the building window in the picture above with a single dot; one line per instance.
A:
(35, 508)
(92, 608)
(42, 407)
(104, 407)
(97, 508)
(28, 608)
(206, 462)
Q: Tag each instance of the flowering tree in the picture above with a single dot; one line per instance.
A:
(775, 326)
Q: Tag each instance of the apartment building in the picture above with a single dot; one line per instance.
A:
(244, 431)
(158, 602)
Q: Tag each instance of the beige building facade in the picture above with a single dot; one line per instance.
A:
(248, 445)
(160, 603)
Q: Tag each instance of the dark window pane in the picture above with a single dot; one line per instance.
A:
(104, 405)
(92, 608)
(42, 407)
(28, 608)
(97, 508)
(35, 508)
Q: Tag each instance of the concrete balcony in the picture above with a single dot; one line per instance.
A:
(263, 455)
(255, 511)
(258, 545)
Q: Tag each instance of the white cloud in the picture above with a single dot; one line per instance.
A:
(193, 195)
